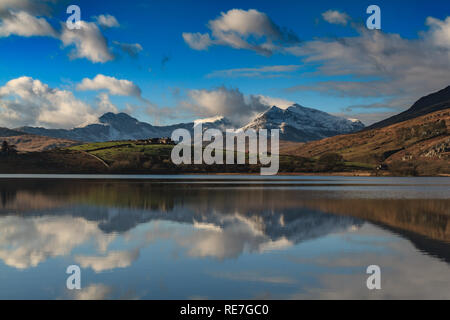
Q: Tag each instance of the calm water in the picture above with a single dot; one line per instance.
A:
(200, 237)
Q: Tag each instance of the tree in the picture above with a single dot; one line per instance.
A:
(330, 162)
(5, 147)
(8, 149)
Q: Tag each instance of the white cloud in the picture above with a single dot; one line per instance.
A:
(26, 101)
(197, 41)
(233, 236)
(25, 18)
(113, 260)
(336, 17)
(105, 105)
(230, 103)
(23, 24)
(439, 32)
(241, 29)
(112, 85)
(26, 243)
(89, 42)
(258, 72)
(107, 21)
(279, 102)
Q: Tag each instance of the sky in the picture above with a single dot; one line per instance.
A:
(167, 62)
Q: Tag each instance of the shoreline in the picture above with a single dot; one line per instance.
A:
(282, 174)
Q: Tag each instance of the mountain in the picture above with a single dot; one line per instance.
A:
(296, 123)
(34, 143)
(29, 142)
(301, 124)
(434, 102)
(218, 122)
(110, 126)
(5, 132)
(120, 126)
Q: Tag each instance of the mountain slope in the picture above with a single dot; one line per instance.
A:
(120, 126)
(296, 124)
(434, 102)
(5, 132)
(301, 124)
(34, 143)
(420, 140)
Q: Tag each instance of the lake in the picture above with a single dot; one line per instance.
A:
(224, 237)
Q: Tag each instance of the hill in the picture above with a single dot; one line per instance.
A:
(133, 157)
(5, 132)
(32, 143)
(421, 144)
(434, 102)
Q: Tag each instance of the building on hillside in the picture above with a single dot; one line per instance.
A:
(150, 141)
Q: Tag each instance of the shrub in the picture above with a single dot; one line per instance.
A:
(330, 162)
(403, 168)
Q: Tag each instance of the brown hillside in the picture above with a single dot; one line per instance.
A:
(422, 139)
(431, 103)
(34, 143)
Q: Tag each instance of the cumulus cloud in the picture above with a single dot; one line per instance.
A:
(258, 72)
(89, 42)
(197, 41)
(26, 18)
(23, 24)
(106, 21)
(336, 17)
(279, 102)
(230, 103)
(439, 33)
(242, 29)
(26, 243)
(26, 101)
(235, 235)
(112, 85)
(105, 105)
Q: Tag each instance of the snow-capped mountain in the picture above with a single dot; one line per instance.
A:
(121, 126)
(218, 122)
(301, 124)
(296, 123)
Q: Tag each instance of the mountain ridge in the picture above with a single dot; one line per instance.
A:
(121, 126)
(302, 124)
(435, 101)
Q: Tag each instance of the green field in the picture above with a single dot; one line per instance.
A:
(129, 156)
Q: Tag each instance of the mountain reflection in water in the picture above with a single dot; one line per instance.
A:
(109, 226)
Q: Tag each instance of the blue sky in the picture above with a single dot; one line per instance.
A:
(177, 81)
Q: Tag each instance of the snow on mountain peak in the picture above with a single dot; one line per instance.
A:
(208, 120)
(298, 123)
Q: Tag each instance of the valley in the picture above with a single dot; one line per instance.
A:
(312, 142)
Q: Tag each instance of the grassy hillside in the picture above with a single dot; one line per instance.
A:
(130, 157)
(32, 143)
(53, 161)
(420, 145)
